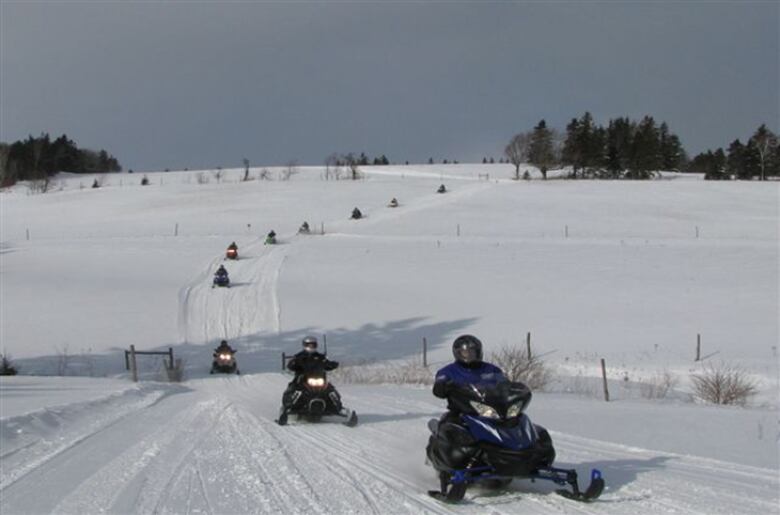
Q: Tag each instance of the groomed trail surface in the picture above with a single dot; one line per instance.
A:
(213, 447)
(248, 306)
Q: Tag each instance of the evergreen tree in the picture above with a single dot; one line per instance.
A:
(540, 151)
(645, 150)
(672, 153)
(620, 134)
(735, 160)
(571, 154)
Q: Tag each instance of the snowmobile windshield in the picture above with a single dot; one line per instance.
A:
(506, 398)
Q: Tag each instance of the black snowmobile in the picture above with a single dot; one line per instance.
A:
(315, 397)
(224, 363)
(494, 442)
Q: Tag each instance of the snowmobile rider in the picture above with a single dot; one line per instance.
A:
(304, 361)
(304, 228)
(221, 272)
(468, 368)
(393, 202)
(356, 214)
(224, 348)
(442, 189)
(233, 246)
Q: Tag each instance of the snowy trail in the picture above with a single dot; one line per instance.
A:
(249, 306)
(214, 448)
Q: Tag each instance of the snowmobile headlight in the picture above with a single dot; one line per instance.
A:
(515, 410)
(224, 356)
(316, 381)
(484, 410)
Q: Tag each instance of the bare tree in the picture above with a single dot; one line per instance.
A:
(765, 141)
(331, 165)
(352, 163)
(289, 170)
(517, 151)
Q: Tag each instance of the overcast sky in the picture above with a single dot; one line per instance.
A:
(201, 84)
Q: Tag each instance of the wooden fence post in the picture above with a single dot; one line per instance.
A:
(176, 229)
(698, 347)
(425, 352)
(284, 360)
(604, 376)
(133, 364)
(325, 343)
(528, 344)
(170, 358)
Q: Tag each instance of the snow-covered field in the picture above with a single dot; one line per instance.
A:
(625, 271)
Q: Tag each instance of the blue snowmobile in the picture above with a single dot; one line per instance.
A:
(221, 278)
(494, 442)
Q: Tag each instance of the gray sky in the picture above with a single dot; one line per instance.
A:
(200, 84)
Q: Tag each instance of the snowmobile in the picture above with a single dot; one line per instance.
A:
(221, 281)
(271, 238)
(304, 228)
(313, 398)
(356, 214)
(224, 363)
(231, 253)
(442, 189)
(494, 442)
(393, 203)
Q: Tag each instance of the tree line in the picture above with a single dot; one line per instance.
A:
(40, 158)
(623, 149)
(628, 149)
(758, 158)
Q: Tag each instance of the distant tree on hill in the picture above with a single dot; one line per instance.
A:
(765, 143)
(645, 150)
(40, 158)
(517, 150)
(711, 164)
(673, 156)
(540, 151)
(6, 367)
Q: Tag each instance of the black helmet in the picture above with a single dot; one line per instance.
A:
(309, 342)
(467, 350)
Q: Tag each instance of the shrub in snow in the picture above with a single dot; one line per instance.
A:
(723, 384)
(658, 386)
(519, 366)
(6, 367)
